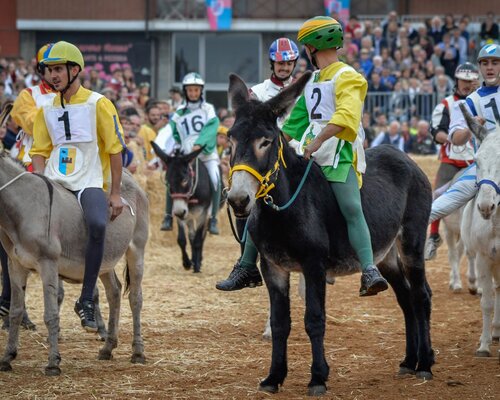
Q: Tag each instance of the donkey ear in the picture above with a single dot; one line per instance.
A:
(238, 91)
(475, 127)
(5, 112)
(193, 154)
(283, 101)
(160, 153)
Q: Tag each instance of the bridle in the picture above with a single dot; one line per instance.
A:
(193, 174)
(265, 180)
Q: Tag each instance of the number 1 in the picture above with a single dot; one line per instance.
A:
(65, 118)
(493, 105)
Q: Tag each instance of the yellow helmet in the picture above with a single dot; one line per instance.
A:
(321, 33)
(63, 53)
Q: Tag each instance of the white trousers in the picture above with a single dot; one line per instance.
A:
(457, 195)
(213, 171)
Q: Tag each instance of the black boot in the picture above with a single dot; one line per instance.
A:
(212, 226)
(167, 223)
(372, 282)
(240, 277)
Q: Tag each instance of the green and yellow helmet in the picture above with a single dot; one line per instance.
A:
(321, 33)
(64, 53)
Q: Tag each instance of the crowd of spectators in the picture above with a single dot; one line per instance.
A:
(409, 68)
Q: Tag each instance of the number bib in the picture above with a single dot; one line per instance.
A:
(72, 124)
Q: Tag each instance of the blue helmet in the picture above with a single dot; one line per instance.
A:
(283, 49)
(489, 51)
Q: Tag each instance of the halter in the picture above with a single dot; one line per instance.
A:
(194, 183)
(265, 180)
(13, 180)
(485, 182)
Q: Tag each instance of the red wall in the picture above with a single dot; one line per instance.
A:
(9, 36)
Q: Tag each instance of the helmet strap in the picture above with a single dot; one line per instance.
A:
(70, 81)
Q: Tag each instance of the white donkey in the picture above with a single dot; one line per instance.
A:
(481, 230)
(42, 230)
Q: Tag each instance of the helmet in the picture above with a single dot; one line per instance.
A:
(40, 55)
(283, 49)
(489, 51)
(193, 78)
(467, 72)
(64, 53)
(321, 33)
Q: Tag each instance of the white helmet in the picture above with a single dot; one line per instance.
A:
(193, 78)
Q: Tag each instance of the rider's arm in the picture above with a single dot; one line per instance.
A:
(24, 111)
(440, 123)
(297, 122)
(208, 134)
(42, 144)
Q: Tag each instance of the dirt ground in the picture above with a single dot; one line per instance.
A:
(204, 344)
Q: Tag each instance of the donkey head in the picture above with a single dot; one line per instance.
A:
(487, 166)
(255, 140)
(181, 178)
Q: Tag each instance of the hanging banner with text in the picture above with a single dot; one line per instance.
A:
(338, 7)
(220, 14)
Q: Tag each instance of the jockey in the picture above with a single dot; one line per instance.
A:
(80, 136)
(26, 106)
(283, 55)
(484, 105)
(194, 125)
(327, 121)
(453, 158)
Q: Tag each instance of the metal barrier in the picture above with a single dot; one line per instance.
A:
(401, 105)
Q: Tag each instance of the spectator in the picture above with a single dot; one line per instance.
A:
(176, 98)
(352, 25)
(449, 23)
(423, 142)
(380, 123)
(379, 42)
(450, 56)
(424, 101)
(436, 30)
(489, 30)
(366, 63)
(459, 42)
(369, 130)
(350, 48)
(392, 137)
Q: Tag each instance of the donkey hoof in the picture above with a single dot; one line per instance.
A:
(483, 353)
(268, 388)
(473, 291)
(495, 339)
(425, 375)
(187, 265)
(406, 371)
(52, 371)
(138, 359)
(316, 390)
(104, 355)
(5, 366)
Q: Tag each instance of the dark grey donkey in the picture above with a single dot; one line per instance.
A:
(42, 230)
(311, 235)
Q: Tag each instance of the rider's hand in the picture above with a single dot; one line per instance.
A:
(116, 204)
(311, 148)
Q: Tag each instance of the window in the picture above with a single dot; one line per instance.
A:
(186, 57)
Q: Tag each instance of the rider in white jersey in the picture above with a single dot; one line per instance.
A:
(194, 125)
(283, 56)
(484, 105)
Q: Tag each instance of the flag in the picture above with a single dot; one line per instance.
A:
(340, 7)
(220, 14)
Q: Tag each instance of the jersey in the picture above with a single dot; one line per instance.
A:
(459, 156)
(483, 102)
(23, 113)
(78, 139)
(334, 95)
(196, 124)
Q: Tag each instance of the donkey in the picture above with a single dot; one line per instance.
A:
(480, 230)
(191, 191)
(42, 230)
(310, 236)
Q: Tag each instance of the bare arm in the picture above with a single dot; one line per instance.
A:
(441, 137)
(115, 200)
(460, 137)
(38, 163)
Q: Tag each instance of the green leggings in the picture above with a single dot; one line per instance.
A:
(349, 200)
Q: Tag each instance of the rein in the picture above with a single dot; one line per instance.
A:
(486, 182)
(194, 183)
(13, 180)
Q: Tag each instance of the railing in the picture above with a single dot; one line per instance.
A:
(401, 106)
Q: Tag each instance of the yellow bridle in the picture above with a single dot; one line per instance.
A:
(265, 185)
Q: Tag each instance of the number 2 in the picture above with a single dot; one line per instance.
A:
(65, 118)
(315, 115)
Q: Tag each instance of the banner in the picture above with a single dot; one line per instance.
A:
(220, 14)
(340, 8)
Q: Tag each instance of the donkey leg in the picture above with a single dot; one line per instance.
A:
(485, 281)
(496, 311)
(181, 241)
(197, 247)
(18, 278)
(455, 252)
(101, 326)
(50, 280)
(135, 266)
(113, 288)
(471, 274)
(278, 286)
(315, 327)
